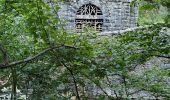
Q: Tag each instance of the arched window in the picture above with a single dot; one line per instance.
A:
(89, 15)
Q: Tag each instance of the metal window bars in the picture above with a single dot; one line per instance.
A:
(89, 15)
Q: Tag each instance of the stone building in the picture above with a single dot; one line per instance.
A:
(102, 15)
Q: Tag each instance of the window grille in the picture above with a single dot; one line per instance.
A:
(89, 15)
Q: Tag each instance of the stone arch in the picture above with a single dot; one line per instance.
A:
(74, 7)
(89, 9)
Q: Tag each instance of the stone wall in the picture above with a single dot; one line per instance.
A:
(117, 14)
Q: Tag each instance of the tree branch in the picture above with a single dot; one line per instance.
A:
(161, 56)
(92, 80)
(125, 85)
(74, 79)
(110, 86)
(29, 59)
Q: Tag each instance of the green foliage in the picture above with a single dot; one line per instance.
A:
(28, 27)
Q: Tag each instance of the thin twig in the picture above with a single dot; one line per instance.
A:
(97, 85)
(125, 84)
(74, 79)
(110, 86)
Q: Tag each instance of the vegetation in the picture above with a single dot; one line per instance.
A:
(41, 61)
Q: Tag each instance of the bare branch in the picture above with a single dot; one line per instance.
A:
(161, 56)
(74, 79)
(29, 59)
(98, 85)
(110, 86)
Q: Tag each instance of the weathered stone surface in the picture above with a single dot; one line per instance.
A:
(116, 14)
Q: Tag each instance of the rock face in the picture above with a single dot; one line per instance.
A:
(103, 15)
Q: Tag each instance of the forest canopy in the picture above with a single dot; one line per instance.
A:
(40, 60)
